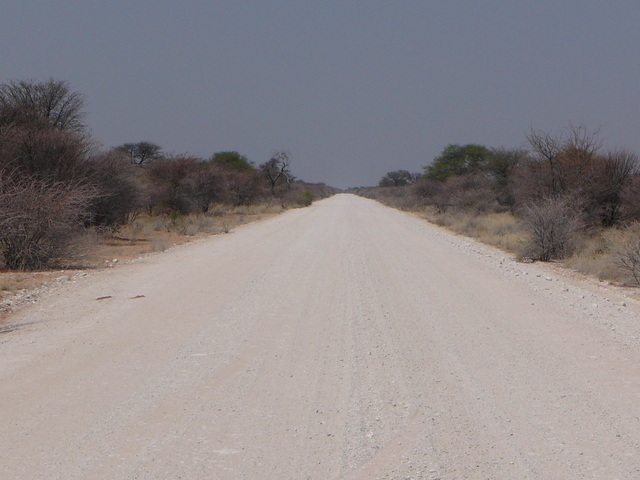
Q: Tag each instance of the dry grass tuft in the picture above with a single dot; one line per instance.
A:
(502, 230)
(10, 285)
(219, 219)
(611, 254)
(599, 255)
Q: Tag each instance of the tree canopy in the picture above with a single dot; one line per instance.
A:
(457, 160)
(52, 103)
(141, 152)
(398, 178)
(232, 160)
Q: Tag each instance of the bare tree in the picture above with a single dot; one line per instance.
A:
(567, 155)
(276, 170)
(51, 101)
(50, 154)
(41, 131)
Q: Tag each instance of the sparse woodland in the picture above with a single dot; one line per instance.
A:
(57, 183)
(563, 198)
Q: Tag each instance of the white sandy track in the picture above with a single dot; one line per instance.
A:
(342, 341)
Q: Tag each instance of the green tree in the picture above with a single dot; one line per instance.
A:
(457, 160)
(501, 165)
(398, 178)
(141, 152)
(232, 160)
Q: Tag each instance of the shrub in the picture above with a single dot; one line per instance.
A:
(551, 226)
(429, 192)
(628, 255)
(47, 154)
(165, 176)
(201, 186)
(471, 193)
(117, 197)
(630, 210)
(306, 198)
(37, 219)
(243, 187)
(569, 164)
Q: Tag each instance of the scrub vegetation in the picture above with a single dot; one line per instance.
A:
(57, 185)
(563, 198)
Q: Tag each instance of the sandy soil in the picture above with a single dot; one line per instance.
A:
(342, 341)
(93, 252)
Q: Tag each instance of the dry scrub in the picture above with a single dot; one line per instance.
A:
(612, 254)
(502, 230)
(100, 248)
(609, 254)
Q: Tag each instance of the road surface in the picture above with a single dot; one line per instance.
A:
(342, 341)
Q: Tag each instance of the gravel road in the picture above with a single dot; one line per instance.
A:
(342, 341)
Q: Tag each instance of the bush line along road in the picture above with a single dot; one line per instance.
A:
(342, 341)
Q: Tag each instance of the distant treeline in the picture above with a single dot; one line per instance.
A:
(562, 186)
(55, 180)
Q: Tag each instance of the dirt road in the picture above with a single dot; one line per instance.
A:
(342, 341)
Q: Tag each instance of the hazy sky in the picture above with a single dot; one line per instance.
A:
(353, 89)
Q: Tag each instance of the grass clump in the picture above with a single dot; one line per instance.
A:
(611, 254)
(502, 230)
